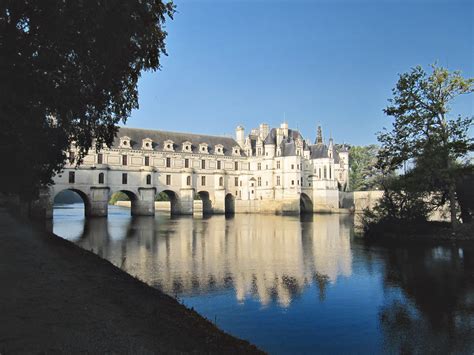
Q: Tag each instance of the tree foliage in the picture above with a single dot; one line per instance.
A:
(364, 174)
(424, 133)
(68, 74)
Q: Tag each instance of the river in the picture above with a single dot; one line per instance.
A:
(293, 284)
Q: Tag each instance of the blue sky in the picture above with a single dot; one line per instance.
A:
(332, 63)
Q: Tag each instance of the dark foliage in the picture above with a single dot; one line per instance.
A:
(429, 140)
(68, 74)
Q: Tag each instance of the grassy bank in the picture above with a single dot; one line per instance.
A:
(59, 298)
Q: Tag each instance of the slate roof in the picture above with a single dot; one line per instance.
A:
(137, 135)
(271, 137)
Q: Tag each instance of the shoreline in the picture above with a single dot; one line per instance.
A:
(58, 297)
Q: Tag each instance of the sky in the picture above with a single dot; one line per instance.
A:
(320, 62)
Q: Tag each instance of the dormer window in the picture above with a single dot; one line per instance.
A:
(219, 149)
(147, 144)
(236, 150)
(203, 148)
(187, 146)
(168, 145)
(125, 142)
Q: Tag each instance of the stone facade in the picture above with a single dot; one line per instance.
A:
(269, 170)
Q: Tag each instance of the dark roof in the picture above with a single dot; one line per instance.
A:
(318, 151)
(137, 135)
(271, 137)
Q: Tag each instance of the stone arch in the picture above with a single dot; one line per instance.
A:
(174, 201)
(132, 196)
(83, 195)
(206, 202)
(306, 205)
(229, 204)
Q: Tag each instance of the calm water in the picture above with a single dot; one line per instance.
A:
(292, 285)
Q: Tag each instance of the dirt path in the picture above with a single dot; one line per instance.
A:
(56, 298)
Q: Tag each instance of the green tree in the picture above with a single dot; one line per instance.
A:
(424, 134)
(68, 74)
(363, 174)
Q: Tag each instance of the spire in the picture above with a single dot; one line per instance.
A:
(319, 138)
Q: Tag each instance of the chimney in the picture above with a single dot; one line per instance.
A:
(264, 130)
(240, 136)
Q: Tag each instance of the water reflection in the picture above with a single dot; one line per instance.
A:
(295, 285)
(439, 282)
(265, 257)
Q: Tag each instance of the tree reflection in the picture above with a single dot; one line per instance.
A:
(439, 282)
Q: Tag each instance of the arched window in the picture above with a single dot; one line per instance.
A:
(188, 180)
(221, 181)
(101, 178)
(148, 179)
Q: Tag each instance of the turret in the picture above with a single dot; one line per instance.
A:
(319, 137)
(331, 148)
(240, 135)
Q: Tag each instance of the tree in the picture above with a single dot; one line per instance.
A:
(68, 75)
(363, 174)
(424, 133)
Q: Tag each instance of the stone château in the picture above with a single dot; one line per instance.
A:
(270, 170)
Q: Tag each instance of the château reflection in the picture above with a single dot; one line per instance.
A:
(270, 258)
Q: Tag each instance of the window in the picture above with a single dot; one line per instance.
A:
(186, 163)
(168, 162)
(72, 177)
(319, 173)
(278, 181)
(259, 181)
(266, 183)
(100, 158)
(72, 156)
(218, 164)
(330, 173)
(241, 183)
(148, 179)
(124, 160)
(236, 181)
(236, 165)
(221, 181)
(124, 178)
(101, 178)
(292, 166)
(325, 172)
(188, 180)
(168, 179)
(147, 161)
(203, 164)
(259, 166)
(259, 151)
(292, 182)
(203, 181)
(278, 165)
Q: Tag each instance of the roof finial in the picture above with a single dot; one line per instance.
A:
(319, 138)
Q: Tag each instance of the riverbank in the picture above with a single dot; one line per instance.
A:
(58, 298)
